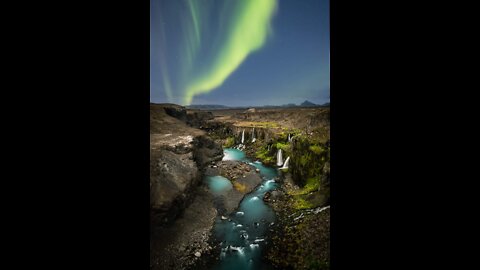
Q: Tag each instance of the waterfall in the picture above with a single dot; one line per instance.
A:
(243, 136)
(279, 158)
(285, 165)
(289, 137)
(253, 136)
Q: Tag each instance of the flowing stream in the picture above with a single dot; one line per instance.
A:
(243, 234)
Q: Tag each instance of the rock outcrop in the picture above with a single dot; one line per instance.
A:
(178, 155)
(198, 119)
(182, 212)
(302, 240)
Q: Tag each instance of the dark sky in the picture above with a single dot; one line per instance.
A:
(240, 52)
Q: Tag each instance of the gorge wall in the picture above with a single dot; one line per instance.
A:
(178, 155)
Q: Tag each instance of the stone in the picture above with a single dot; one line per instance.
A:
(198, 254)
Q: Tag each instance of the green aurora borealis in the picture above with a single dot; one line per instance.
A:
(239, 52)
(248, 29)
(241, 27)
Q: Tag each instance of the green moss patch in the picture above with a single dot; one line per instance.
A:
(263, 155)
(300, 203)
(317, 149)
(311, 185)
(229, 142)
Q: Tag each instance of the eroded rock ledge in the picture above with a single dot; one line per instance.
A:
(182, 212)
(178, 156)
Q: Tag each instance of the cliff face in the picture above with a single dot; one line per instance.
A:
(178, 156)
(310, 168)
(299, 118)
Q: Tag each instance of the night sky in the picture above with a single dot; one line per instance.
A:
(239, 52)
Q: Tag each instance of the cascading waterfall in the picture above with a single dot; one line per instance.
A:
(285, 164)
(279, 158)
(253, 136)
(241, 146)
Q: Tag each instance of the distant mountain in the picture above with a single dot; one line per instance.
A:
(326, 104)
(307, 103)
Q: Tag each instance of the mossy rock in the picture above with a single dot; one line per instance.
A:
(229, 142)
